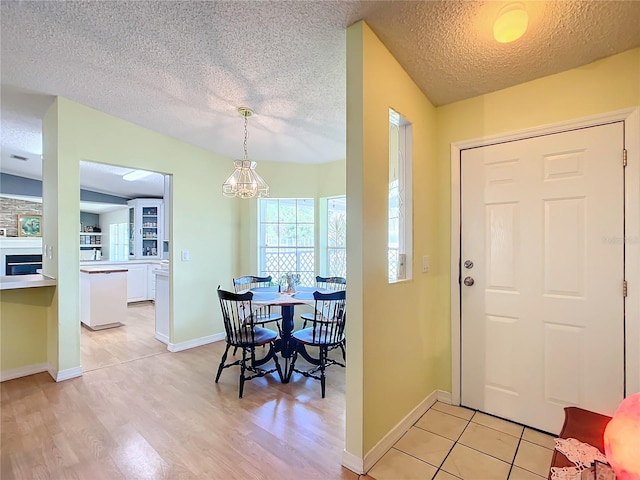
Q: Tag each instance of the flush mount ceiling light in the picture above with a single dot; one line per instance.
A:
(511, 23)
(245, 182)
(136, 175)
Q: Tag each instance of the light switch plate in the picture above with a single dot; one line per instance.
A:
(185, 255)
(425, 264)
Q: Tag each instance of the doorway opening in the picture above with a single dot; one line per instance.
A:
(124, 225)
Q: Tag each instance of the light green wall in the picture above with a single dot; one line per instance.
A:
(604, 86)
(354, 390)
(210, 226)
(203, 220)
(285, 180)
(23, 327)
(398, 352)
(50, 234)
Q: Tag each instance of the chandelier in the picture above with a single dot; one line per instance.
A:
(245, 182)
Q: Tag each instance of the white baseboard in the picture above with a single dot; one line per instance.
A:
(23, 371)
(66, 374)
(352, 462)
(198, 342)
(163, 338)
(444, 397)
(385, 444)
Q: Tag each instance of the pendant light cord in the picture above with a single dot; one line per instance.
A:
(246, 119)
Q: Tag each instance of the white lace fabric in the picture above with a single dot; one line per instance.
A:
(581, 454)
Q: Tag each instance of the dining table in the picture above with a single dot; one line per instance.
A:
(286, 346)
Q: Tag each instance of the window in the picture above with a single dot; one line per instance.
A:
(333, 237)
(119, 241)
(286, 238)
(400, 230)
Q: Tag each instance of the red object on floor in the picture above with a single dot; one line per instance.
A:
(583, 425)
(622, 439)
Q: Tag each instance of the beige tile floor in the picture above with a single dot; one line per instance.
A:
(450, 443)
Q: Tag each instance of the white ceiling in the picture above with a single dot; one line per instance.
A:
(98, 178)
(183, 67)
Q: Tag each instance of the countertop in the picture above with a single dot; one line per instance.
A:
(95, 263)
(102, 269)
(14, 282)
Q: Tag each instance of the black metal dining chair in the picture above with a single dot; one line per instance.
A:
(326, 332)
(264, 314)
(243, 333)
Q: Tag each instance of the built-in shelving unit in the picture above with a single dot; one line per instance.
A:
(145, 227)
(90, 245)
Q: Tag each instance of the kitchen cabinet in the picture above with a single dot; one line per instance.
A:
(137, 283)
(141, 282)
(166, 205)
(145, 228)
(162, 304)
(151, 281)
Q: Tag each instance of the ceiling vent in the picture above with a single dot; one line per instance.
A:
(19, 157)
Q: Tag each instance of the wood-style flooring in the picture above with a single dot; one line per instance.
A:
(141, 412)
(132, 341)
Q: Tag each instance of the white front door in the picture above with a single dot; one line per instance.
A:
(542, 323)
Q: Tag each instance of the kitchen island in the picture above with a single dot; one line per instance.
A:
(103, 296)
(141, 282)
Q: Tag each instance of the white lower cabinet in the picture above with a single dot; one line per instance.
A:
(137, 283)
(162, 304)
(151, 281)
(141, 280)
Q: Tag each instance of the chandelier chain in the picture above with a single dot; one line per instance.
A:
(245, 137)
(245, 182)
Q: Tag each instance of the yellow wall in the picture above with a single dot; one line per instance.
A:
(23, 327)
(398, 355)
(604, 86)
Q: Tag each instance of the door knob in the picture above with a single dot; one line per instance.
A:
(468, 281)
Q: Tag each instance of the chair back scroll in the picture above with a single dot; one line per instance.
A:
(248, 282)
(262, 315)
(330, 317)
(331, 283)
(238, 318)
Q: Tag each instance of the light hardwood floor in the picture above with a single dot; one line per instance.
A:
(141, 412)
(132, 341)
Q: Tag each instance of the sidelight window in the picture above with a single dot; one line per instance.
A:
(333, 236)
(400, 229)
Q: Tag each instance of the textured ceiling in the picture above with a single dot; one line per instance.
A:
(183, 67)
